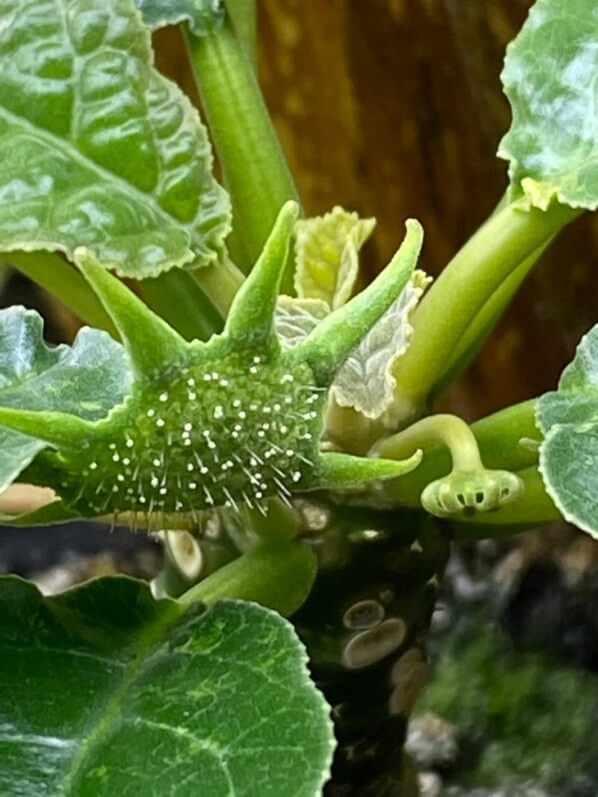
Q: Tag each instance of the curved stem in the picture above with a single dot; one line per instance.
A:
(278, 576)
(498, 439)
(446, 312)
(450, 430)
(254, 167)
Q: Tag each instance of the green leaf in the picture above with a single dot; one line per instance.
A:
(202, 15)
(99, 149)
(327, 255)
(366, 381)
(85, 380)
(107, 691)
(550, 77)
(568, 419)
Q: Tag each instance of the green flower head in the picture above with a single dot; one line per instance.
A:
(230, 422)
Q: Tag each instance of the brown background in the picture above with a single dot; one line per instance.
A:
(394, 108)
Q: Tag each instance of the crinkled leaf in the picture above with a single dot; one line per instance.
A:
(295, 318)
(86, 379)
(550, 77)
(366, 381)
(108, 691)
(327, 255)
(99, 150)
(568, 418)
(202, 15)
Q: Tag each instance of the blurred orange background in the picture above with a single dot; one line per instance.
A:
(395, 109)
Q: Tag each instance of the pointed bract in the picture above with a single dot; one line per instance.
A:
(150, 342)
(345, 470)
(251, 317)
(331, 342)
(59, 429)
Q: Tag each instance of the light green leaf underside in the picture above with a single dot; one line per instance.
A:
(202, 15)
(86, 380)
(98, 149)
(568, 419)
(295, 318)
(550, 77)
(366, 381)
(107, 691)
(327, 255)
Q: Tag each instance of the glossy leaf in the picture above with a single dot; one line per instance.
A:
(568, 419)
(86, 379)
(108, 691)
(99, 150)
(550, 77)
(327, 255)
(202, 15)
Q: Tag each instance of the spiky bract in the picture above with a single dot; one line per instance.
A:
(232, 421)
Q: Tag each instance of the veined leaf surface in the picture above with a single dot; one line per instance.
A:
(107, 691)
(327, 255)
(568, 418)
(86, 379)
(550, 77)
(98, 149)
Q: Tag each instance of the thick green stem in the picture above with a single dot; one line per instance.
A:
(277, 576)
(254, 167)
(441, 321)
(220, 284)
(485, 321)
(178, 298)
(63, 281)
(244, 16)
(500, 437)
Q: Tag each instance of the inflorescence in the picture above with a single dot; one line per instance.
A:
(228, 423)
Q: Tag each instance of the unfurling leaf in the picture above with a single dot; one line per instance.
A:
(327, 255)
(98, 149)
(550, 80)
(108, 691)
(86, 379)
(366, 381)
(568, 418)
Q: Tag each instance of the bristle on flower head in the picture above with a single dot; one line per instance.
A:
(226, 423)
